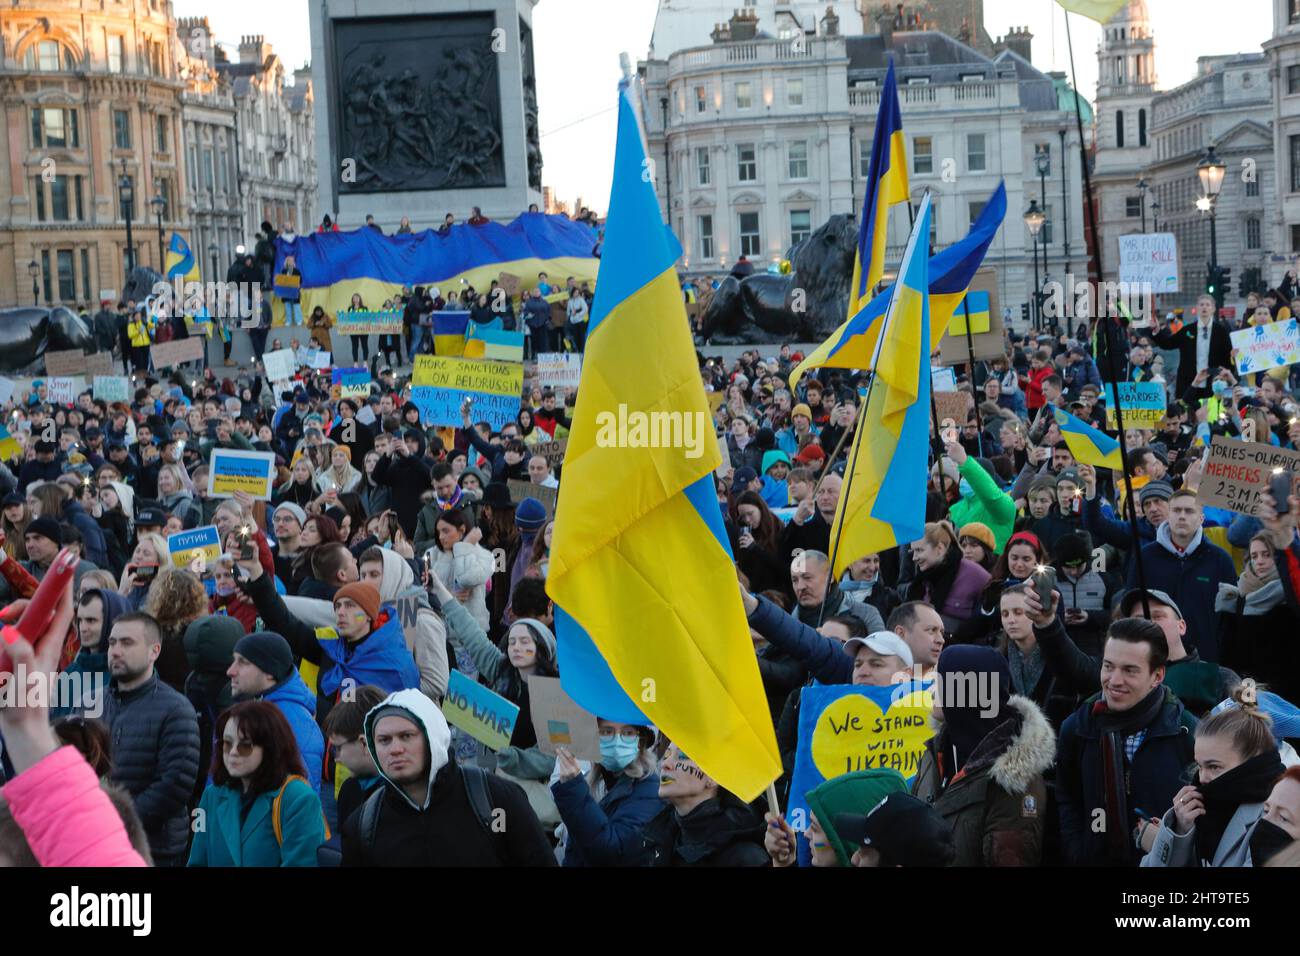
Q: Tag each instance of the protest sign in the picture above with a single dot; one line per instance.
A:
(1144, 404)
(487, 717)
(351, 382)
(519, 490)
(715, 401)
(943, 379)
(1236, 473)
(176, 352)
(559, 369)
(559, 722)
(231, 470)
(1267, 346)
(112, 388)
(408, 605)
(986, 334)
(185, 546)
(1149, 260)
(510, 283)
(99, 363)
(724, 467)
(366, 414)
(63, 391)
(7, 386)
(65, 363)
(552, 451)
(844, 727)
(954, 405)
(385, 322)
(279, 365)
(443, 382)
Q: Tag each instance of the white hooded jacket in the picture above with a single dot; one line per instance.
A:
(436, 732)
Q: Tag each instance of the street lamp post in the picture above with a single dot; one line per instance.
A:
(1042, 163)
(1155, 215)
(1142, 188)
(1210, 171)
(127, 197)
(159, 203)
(34, 270)
(1034, 219)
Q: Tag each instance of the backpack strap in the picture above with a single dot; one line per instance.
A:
(476, 789)
(275, 809)
(368, 828)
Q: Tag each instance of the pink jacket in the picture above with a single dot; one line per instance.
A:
(67, 819)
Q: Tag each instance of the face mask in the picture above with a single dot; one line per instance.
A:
(616, 753)
(1266, 841)
(965, 488)
(226, 591)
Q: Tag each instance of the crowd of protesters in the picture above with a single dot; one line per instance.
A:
(1150, 682)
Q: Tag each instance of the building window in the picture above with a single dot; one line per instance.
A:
(164, 188)
(1293, 12)
(192, 168)
(1252, 233)
(67, 279)
(1043, 149)
(59, 199)
(121, 129)
(1295, 238)
(208, 178)
(163, 140)
(799, 159)
(702, 171)
(864, 158)
(800, 225)
(48, 56)
(976, 210)
(917, 81)
(750, 241)
(1133, 206)
(922, 154)
(744, 96)
(975, 158)
(1294, 143)
(1252, 186)
(701, 99)
(76, 195)
(53, 126)
(115, 57)
(45, 274)
(746, 163)
(39, 185)
(1119, 129)
(1142, 127)
(704, 229)
(794, 92)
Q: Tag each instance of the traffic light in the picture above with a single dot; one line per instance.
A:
(1217, 283)
(1024, 312)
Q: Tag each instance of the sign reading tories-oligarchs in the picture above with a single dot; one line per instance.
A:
(1237, 472)
(1149, 259)
(442, 383)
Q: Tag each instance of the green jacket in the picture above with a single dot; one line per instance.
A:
(988, 504)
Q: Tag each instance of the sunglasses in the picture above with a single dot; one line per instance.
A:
(243, 748)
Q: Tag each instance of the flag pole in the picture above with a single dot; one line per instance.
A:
(970, 351)
(1103, 320)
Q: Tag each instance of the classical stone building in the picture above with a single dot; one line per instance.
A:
(762, 137)
(1283, 50)
(90, 93)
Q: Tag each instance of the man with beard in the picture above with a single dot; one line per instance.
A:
(155, 737)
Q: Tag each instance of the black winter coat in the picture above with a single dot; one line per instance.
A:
(719, 832)
(155, 735)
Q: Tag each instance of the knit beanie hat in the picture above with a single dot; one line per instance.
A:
(47, 528)
(365, 596)
(980, 532)
(855, 792)
(269, 652)
(293, 509)
(530, 515)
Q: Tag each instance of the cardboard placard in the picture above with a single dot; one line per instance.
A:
(408, 605)
(519, 490)
(231, 470)
(1237, 473)
(112, 388)
(559, 369)
(486, 716)
(724, 467)
(987, 345)
(279, 365)
(559, 722)
(76, 362)
(1144, 404)
(952, 405)
(559, 314)
(510, 283)
(176, 352)
(552, 451)
(350, 382)
(63, 390)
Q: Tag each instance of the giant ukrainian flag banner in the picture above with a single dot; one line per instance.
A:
(648, 612)
(336, 264)
(886, 186)
(853, 344)
(895, 421)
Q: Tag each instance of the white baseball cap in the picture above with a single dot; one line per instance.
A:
(882, 642)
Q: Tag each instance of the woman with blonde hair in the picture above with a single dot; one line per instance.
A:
(340, 476)
(173, 497)
(176, 599)
(948, 581)
(149, 554)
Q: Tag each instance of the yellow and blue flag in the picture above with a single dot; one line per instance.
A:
(853, 344)
(1099, 10)
(886, 187)
(9, 447)
(1089, 446)
(482, 341)
(975, 306)
(180, 261)
(896, 419)
(648, 614)
(449, 332)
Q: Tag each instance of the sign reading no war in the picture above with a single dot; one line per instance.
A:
(486, 716)
(232, 470)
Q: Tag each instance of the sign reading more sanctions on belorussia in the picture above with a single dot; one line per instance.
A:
(1237, 473)
(486, 716)
(1271, 345)
(1144, 404)
(386, 322)
(441, 383)
(185, 546)
(843, 728)
(232, 470)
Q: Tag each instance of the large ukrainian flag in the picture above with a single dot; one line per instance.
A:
(886, 187)
(853, 344)
(650, 624)
(896, 419)
(180, 261)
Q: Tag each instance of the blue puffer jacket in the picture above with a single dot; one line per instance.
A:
(607, 833)
(298, 704)
(226, 841)
(92, 535)
(822, 656)
(1192, 579)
